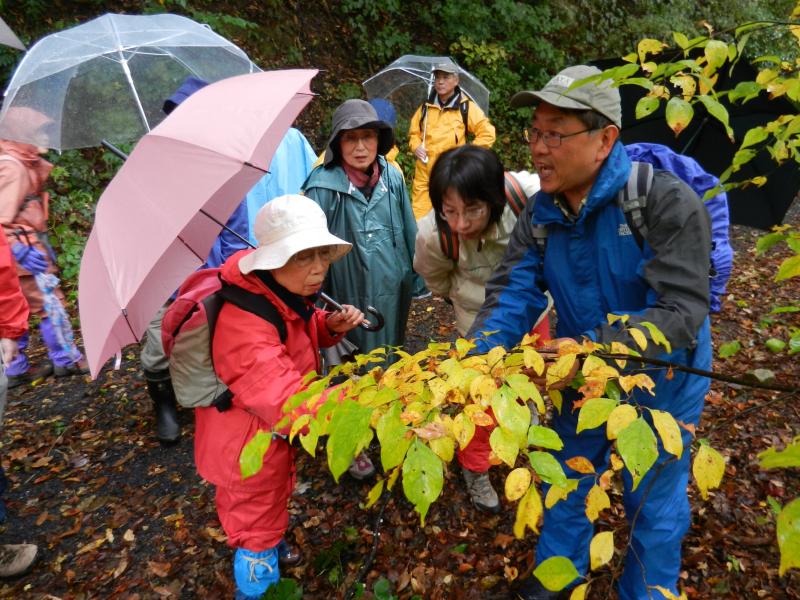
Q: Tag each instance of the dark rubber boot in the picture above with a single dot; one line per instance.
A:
(165, 407)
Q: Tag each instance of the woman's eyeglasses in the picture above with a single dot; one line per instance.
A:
(305, 258)
(471, 214)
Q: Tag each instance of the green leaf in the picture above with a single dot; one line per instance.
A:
(775, 345)
(680, 39)
(789, 268)
(505, 445)
(679, 114)
(788, 530)
(646, 105)
(310, 440)
(349, 425)
(525, 389)
(595, 412)
(729, 349)
(556, 573)
(656, 335)
(745, 90)
(382, 590)
(716, 53)
(392, 435)
(548, 468)
(252, 457)
(638, 448)
(788, 457)
(719, 112)
(423, 477)
(766, 242)
(754, 136)
(544, 437)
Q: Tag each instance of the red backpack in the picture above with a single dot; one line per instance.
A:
(187, 332)
(515, 198)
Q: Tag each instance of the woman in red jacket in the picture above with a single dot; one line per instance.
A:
(288, 268)
(15, 559)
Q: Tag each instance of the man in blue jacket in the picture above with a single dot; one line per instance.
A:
(575, 241)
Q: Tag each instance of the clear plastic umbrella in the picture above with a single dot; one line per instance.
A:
(108, 78)
(9, 38)
(407, 82)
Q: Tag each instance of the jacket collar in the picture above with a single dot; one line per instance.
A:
(610, 179)
(335, 179)
(231, 274)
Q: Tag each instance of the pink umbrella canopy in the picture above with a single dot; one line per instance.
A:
(150, 229)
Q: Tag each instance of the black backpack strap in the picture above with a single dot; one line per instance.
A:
(253, 303)
(515, 195)
(632, 199)
(464, 108)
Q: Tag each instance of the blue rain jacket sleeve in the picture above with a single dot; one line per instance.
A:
(291, 164)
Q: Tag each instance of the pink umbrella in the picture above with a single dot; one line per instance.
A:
(158, 218)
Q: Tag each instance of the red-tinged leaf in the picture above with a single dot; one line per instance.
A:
(159, 569)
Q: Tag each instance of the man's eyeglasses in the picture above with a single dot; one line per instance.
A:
(551, 139)
(305, 258)
(471, 214)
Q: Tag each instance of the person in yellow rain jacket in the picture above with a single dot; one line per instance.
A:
(441, 123)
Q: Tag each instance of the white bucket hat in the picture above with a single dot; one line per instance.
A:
(285, 226)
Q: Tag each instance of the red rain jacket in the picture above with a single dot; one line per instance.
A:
(262, 373)
(13, 306)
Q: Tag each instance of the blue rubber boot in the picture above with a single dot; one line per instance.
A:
(254, 572)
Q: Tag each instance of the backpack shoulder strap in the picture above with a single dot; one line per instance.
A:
(422, 115)
(632, 199)
(515, 195)
(464, 108)
(252, 303)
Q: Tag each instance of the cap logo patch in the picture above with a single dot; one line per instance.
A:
(561, 80)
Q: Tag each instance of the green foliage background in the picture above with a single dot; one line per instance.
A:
(509, 45)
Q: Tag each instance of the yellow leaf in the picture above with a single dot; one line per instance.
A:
(517, 483)
(688, 87)
(622, 416)
(579, 592)
(648, 46)
(478, 416)
(533, 360)
(639, 338)
(617, 348)
(444, 448)
(557, 493)
(668, 429)
(529, 511)
(596, 502)
(592, 363)
(560, 370)
(393, 477)
(556, 399)
(374, 494)
(495, 356)
(601, 549)
(581, 464)
(708, 469)
(612, 318)
(616, 462)
(668, 594)
(463, 429)
(628, 382)
(482, 389)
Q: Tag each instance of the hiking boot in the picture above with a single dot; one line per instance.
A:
(16, 559)
(77, 368)
(288, 555)
(361, 467)
(481, 491)
(30, 375)
(168, 431)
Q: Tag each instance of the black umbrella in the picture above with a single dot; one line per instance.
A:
(706, 141)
